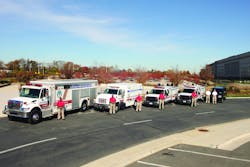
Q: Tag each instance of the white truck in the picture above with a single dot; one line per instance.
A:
(38, 99)
(125, 94)
(185, 97)
(152, 98)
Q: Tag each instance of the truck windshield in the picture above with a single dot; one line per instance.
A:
(156, 91)
(28, 92)
(111, 91)
(188, 90)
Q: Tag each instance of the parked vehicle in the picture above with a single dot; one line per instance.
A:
(38, 99)
(125, 94)
(221, 93)
(152, 98)
(185, 97)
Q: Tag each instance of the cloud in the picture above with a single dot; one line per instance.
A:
(103, 29)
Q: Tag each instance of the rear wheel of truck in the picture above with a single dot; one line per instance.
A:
(35, 116)
(84, 106)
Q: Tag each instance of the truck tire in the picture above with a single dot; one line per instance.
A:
(35, 116)
(135, 104)
(84, 106)
(117, 107)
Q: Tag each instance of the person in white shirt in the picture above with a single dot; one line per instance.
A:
(214, 96)
(208, 94)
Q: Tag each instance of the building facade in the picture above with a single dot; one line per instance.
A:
(233, 68)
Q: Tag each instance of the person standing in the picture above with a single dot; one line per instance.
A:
(112, 102)
(161, 100)
(194, 98)
(138, 103)
(60, 105)
(208, 95)
(214, 96)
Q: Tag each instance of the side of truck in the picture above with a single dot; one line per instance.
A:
(152, 98)
(125, 94)
(38, 99)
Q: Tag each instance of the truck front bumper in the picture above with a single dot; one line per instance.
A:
(181, 101)
(101, 107)
(150, 104)
(16, 113)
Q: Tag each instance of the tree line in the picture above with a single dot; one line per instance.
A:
(23, 70)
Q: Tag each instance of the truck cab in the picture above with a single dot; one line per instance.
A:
(32, 102)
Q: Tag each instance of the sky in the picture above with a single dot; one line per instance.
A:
(148, 34)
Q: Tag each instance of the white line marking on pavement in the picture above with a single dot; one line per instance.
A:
(137, 122)
(26, 145)
(151, 164)
(203, 113)
(210, 155)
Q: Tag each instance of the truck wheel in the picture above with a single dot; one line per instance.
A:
(35, 117)
(135, 104)
(117, 107)
(84, 106)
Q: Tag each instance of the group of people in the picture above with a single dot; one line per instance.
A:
(138, 99)
(208, 97)
(214, 96)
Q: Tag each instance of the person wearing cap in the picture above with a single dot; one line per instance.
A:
(112, 102)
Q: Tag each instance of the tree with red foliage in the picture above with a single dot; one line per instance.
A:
(174, 76)
(141, 75)
(206, 73)
(68, 70)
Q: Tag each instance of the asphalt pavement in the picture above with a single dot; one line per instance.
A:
(86, 137)
(194, 156)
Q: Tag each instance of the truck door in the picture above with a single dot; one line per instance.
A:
(44, 102)
(167, 95)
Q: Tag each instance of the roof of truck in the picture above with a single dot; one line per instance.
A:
(62, 81)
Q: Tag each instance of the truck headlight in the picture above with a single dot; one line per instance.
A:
(24, 109)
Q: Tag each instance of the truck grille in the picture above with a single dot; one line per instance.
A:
(152, 99)
(102, 101)
(14, 104)
(185, 97)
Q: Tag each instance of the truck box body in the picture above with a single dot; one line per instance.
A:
(41, 97)
(125, 94)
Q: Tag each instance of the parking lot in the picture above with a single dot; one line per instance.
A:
(194, 156)
(87, 136)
